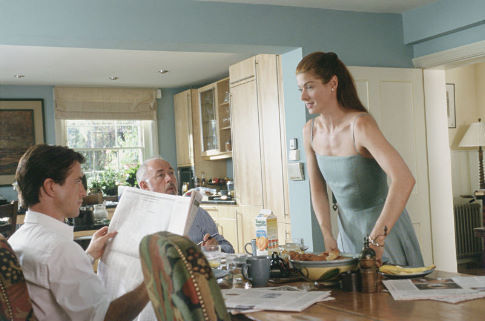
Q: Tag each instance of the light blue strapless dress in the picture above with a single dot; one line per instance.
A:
(360, 188)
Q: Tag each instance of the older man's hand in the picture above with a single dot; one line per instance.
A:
(98, 242)
(209, 240)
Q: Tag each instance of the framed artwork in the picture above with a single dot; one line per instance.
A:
(450, 103)
(21, 126)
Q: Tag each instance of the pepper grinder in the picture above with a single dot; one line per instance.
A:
(368, 268)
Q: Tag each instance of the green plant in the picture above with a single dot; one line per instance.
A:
(109, 182)
(106, 182)
(130, 176)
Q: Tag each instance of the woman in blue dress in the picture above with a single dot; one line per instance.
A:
(346, 150)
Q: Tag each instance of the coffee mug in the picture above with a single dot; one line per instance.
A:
(253, 247)
(257, 270)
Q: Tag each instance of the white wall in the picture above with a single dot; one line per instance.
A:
(464, 161)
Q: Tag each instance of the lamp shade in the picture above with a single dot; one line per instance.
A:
(474, 136)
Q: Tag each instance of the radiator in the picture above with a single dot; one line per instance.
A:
(467, 217)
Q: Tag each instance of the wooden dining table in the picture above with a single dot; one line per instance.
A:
(357, 306)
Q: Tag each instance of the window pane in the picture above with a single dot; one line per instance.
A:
(105, 159)
(128, 135)
(130, 158)
(115, 145)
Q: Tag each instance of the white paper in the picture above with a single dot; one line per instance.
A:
(277, 299)
(140, 213)
(451, 290)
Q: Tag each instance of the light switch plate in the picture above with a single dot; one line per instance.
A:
(295, 171)
(294, 155)
(293, 143)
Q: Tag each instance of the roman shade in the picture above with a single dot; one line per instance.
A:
(105, 103)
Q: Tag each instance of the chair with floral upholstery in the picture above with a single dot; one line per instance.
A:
(179, 280)
(15, 304)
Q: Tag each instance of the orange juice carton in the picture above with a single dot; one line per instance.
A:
(266, 233)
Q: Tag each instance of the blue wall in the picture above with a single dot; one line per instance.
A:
(360, 38)
(443, 25)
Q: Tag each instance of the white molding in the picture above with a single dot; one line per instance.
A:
(448, 58)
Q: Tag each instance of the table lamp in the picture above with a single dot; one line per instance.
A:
(475, 137)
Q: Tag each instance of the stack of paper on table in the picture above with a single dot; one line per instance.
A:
(451, 290)
(285, 298)
(140, 213)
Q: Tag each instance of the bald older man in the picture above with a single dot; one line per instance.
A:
(157, 175)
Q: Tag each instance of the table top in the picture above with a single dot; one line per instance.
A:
(356, 306)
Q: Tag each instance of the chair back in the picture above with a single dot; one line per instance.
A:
(9, 211)
(179, 280)
(15, 304)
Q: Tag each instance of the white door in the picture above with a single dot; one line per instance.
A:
(394, 97)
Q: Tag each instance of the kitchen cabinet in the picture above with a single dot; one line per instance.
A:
(215, 120)
(225, 217)
(183, 128)
(259, 141)
(187, 134)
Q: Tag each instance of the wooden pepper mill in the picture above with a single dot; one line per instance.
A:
(368, 268)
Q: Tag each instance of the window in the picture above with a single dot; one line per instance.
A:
(114, 128)
(106, 144)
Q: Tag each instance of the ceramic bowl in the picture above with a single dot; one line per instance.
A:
(325, 270)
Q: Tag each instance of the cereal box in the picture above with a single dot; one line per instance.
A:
(266, 232)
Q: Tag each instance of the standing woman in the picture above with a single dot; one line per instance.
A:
(346, 150)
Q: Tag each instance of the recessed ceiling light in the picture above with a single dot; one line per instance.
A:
(18, 76)
(113, 78)
(163, 71)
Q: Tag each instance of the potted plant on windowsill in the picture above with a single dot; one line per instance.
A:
(109, 184)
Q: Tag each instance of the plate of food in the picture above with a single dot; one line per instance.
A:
(405, 272)
(323, 266)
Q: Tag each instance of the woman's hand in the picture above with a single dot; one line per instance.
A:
(379, 252)
(330, 243)
(98, 242)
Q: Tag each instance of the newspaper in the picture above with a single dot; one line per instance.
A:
(451, 290)
(140, 213)
(284, 298)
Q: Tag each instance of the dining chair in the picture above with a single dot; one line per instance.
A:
(179, 280)
(15, 303)
(9, 211)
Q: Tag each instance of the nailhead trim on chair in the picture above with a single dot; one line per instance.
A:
(5, 299)
(197, 290)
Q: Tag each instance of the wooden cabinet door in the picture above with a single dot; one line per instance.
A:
(246, 151)
(228, 225)
(242, 71)
(246, 221)
(183, 128)
(273, 139)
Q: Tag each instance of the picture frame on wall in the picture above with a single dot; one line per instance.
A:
(21, 126)
(450, 104)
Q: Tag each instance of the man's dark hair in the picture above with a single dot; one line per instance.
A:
(39, 163)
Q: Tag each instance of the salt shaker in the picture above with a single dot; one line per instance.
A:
(368, 268)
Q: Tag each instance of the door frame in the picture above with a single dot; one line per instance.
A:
(439, 153)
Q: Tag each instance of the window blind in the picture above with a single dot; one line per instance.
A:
(105, 103)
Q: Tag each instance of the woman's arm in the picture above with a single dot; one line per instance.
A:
(370, 138)
(318, 189)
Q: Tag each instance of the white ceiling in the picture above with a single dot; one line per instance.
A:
(134, 68)
(93, 67)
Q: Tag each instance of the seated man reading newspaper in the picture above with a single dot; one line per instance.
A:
(156, 175)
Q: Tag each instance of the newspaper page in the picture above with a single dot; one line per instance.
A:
(451, 290)
(276, 298)
(140, 213)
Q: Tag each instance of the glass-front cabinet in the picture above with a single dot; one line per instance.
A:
(215, 120)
